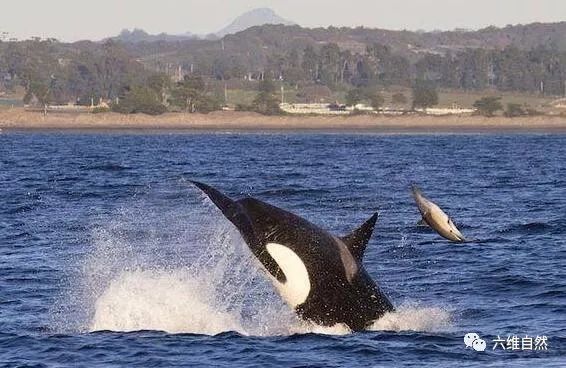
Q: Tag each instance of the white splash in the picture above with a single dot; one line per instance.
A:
(411, 317)
(172, 302)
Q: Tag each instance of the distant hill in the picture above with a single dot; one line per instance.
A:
(139, 35)
(410, 44)
(256, 17)
(276, 33)
(253, 18)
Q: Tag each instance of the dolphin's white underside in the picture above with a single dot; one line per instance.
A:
(441, 218)
(297, 286)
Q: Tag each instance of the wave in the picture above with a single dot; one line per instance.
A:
(532, 228)
(106, 167)
(291, 191)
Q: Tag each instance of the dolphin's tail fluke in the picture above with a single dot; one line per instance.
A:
(416, 191)
(419, 198)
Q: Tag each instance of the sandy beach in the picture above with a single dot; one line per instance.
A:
(19, 119)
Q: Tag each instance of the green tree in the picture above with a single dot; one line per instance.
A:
(115, 69)
(190, 95)
(160, 84)
(39, 91)
(424, 95)
(140, 99)
(266, 102)
(331, 64)
(367, 95)
(488, 106)
(310, 63)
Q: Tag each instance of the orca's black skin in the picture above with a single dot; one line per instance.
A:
(341, 290)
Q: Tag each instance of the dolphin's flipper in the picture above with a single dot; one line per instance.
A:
(357, 240)
(422, 222)
(237, 215)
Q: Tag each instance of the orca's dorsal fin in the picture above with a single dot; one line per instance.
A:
(358, 239)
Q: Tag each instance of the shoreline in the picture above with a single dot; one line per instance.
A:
(17, 119)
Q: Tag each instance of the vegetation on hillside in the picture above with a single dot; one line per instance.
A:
(358, 63)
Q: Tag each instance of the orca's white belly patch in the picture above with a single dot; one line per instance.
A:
(297, 286)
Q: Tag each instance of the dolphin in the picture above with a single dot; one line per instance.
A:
(319, 275)
(434, 217)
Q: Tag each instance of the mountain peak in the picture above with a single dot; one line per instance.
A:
(252, 18)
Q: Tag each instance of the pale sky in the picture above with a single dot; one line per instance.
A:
(71, 20)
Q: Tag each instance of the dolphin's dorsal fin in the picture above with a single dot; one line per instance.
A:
(359, 238)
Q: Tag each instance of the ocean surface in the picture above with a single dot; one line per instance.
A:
(109, 257)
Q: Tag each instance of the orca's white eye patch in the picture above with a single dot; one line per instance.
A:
(297, 286)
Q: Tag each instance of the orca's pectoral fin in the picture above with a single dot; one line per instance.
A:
(357, 240)
(232, 210)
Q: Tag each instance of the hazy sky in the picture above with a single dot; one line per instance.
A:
(71, 20)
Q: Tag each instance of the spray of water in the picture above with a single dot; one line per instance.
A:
(190, 272)
(412, 317)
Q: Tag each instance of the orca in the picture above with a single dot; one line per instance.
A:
(319, 275)
(434, 217)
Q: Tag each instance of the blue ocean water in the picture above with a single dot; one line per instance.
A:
(109, 257)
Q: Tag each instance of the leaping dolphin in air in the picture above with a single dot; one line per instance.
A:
(319, 275)
(436, 218)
